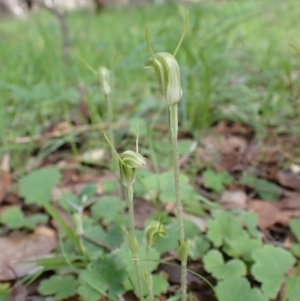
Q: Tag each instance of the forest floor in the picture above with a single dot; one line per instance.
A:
(239, 151)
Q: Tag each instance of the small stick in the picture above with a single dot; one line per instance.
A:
(96, 242)
(58, 134)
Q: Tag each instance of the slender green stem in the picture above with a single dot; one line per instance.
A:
(183, 280)
(149, 276)
(186, 24)
(110, 130)
(173, 125)
(109, 119)
(129, 198)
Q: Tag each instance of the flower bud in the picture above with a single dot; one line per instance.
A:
(153, 231)
(77, 220)
(105, 80)
(168, 74)
(183, 250)
(129, 162)
(132, 159)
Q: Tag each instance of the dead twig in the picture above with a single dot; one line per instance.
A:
(61, 17)
(96, 242)
(58, 134)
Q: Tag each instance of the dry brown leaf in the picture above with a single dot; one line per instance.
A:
(201, 296)
(210, 148)
(173, 273)
(21, 246)
(198, 221)
(288, 179)
(233, 199)
(142, 211)
(5, 207)
(5, 182)
(18, 293)
(5, 163)
(95, 155)
(290, 203)
(268, 214)
(221, 151)
(232, 128)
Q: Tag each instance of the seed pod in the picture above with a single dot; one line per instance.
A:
(128, 163)
(105, 80)
(168, 74)
(153, 231)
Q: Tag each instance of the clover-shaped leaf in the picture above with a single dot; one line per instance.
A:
(241, 246)
(238, 289)
(214, 264)
(250, 220)
(36, 187)
(35, 219)
(271, 264)
(95, 233)
(92, 284)
(295, 227)
(69, 202)
(61, 287)
(107, 209)
(162, 186)
(199, 246)
(265, 189)
(165, 244)
(14, 218)
(88, 192)
(216, 180)
(223, 226)
(294, 293)
(114, 236)
(160, 285)
(130, 282)
(295, 249)
(110, 186)
(102, 278)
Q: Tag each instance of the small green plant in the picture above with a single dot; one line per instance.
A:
(265, 189)
(151, 234)
(216, 181)
(129, 161)
(168, 74)
(60, 287)
(235, 236)
(295, 228)
(14, 218)
(4, 291)
(94, 247)
(105, 80)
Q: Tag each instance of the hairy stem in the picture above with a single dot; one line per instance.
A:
(149, 277)
(129, 198)
(114, 163)
(173, 126)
